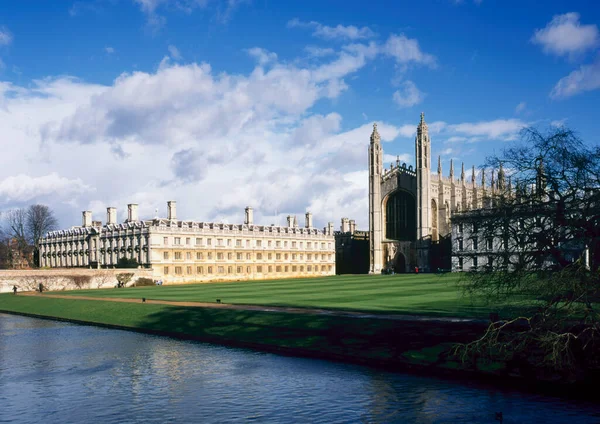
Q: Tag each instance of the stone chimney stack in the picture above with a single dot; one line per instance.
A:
(329, 230)
(352, 226)
(172, 210)
(290, 221)
(249, 220)
(87, 219)
(308, 221)
(132, 212)
(111, 216)
(345, 225)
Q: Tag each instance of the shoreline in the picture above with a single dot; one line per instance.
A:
(414, 347)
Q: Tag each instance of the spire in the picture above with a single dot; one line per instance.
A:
(440, 166)
(375, 138)
(398, 160)
(473, 176)
(501, 185)
(509, 185)
(493, 182)
(483, 177)
(462, 173)
(451, 169)
(422, 118)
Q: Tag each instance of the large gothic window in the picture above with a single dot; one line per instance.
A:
(400, 217)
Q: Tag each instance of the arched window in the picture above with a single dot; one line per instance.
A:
(400, 217)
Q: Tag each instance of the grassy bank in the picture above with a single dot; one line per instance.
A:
(419, 294)
(394, 344)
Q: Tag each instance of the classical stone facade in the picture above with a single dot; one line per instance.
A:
(410, 208)
(186, 251)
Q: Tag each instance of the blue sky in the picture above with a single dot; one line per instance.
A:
(221, 104)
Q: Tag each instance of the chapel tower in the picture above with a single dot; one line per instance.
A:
(423, 157)
(375, 212)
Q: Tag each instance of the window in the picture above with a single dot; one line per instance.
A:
(259, 256)
(199, 255)
(270, 256)
(209, 242)
(239, 256)
(287, 268)
(277, 243)
(239, 269)
(460, 227)
(188, 270)
(209, 255)
(294, 268)
(475, 262)
(258, 243)
(475, 243)
(199, 270)
(329, 246)
(301, 268)
(490, 261)
(309, 256)
(308, 245)
(293, 244)
(210, 269)
(165, 255)
(475, 228)
(259, 268)
(198, 242)
(285, 243)
(188, 240)
(490, 243)
(188, 255)
(286, 256)
(269, 243)
(238, 243)
(166, 270)
(229, 269)
(309, 268)
(177, 255)
(166, 241)
(220, 270)
(293, 256)
(460, 244)
(228, 242)
(219, 255)
(270, 269)
(219, 242)
(330, 268)
(278, 269)
(278, 256)
(248, 270)
(177, 240)
(178, 270)
(230, 256)
(248, 256)
(323, 246)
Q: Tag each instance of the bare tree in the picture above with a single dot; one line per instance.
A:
(543, 245)
(39, 220)
(16, 221)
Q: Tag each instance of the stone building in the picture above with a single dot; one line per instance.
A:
(351, 249)
(410, 208)
(187, 251)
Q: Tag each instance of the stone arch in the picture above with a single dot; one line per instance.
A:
(434, 221)
(400, 263)
(399, 216)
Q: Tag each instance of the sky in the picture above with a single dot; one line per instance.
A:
(223, 104)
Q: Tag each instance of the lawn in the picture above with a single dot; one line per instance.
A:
(419, 294)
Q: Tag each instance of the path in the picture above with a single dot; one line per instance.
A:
(261, 308)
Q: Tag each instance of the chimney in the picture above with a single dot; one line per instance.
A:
(308, 221)
(249, 216)
(352, 226)
(132, 212)
(87, 219)
(345, 225)
(111, 216)
(329, 230)
(172, 210)
(290, 221)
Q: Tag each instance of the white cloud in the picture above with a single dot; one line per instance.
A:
(408, 95)
(151, 8)
(586, 78)
(558, 123)
(565, 36)
(456, 139)
(497, 129)
(402, 158)
(520, 107)
(5, 36)
(174, 52)
(23, 188)
(406, 50)
(109, 50)
(319, 51)
(339, 32)
(262, 56)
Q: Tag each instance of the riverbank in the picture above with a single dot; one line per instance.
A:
(406, 344)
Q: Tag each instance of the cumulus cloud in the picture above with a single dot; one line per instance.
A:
(262, 56)
(314, 51)
(564, 35)
(408, 95)
(5, 36)
(339, 32)
(23, 188)
(586, 78)
(406, 50)
(496, 129)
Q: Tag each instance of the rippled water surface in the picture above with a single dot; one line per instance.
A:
(54, 372)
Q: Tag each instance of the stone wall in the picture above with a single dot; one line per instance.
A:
(66, 279)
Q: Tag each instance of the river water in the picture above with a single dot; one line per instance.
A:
(54, 372)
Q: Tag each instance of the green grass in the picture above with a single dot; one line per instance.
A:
(423, 294)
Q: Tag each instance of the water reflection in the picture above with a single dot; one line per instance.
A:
(61, 373)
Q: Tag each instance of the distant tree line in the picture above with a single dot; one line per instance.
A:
(20, 232)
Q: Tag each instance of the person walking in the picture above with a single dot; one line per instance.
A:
(14, 289)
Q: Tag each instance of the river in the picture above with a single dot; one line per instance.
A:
(55, 372)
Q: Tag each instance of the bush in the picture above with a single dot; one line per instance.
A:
(143, 281)
(127, 263)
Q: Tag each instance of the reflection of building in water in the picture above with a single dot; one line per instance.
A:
(410, 208)
(182, 251)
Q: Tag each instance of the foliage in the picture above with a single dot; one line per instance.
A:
(144, 282)
(125, 262)
(545, 236)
